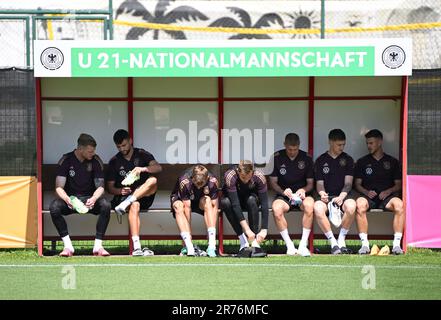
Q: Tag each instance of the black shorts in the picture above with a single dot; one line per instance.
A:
(376, 203)
(194, 205)
(351, 195)
(286, 200)
(145, 202)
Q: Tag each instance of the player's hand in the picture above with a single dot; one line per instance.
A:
(90, 203)
(288, 193)
(261, 235)
(68, 202)
(301, 193)
(372, 194)
(125, 191)
(339, 200)
(383, 195)
(324, 197)
(138, 170)
(250, 235)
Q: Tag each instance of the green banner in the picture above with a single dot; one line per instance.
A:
(225, 61)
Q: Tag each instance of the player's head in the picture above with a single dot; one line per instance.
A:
(86, 146)
(337, 141)
(122, 141)
(245, 169)
(374, 140)
(199, 176)
(292, 144)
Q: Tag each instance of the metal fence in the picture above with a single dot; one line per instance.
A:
(424, 126)
(222, 20)
(17, 123)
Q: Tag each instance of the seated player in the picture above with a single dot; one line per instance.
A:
(137, 196)
(80, 176)
(378, 179)
(292, 178)
(196, 191)
(245, 189)
(334, 174)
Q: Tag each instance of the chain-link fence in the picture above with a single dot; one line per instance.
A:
(424, 140)
(17, 123)
(224, 20)
(14, 40)
(70, 28)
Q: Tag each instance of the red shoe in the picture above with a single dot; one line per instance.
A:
(66, 253)
(101, 253)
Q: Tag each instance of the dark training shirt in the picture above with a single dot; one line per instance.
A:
(80, 175)
(186, 190)
(292, 173)
(257, 183)
(378, 175)
(333, 171)
(119, 167)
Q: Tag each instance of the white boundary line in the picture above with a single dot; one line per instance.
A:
(143, 265)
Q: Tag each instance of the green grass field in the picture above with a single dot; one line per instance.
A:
(416, 275)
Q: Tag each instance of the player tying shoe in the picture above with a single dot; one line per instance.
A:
(243, 190)
(196, 191)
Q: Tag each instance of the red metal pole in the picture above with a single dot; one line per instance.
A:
(311, 141)
(130, 106)
(130, 129)
(39, 165)
(220, 110)
(403, 145)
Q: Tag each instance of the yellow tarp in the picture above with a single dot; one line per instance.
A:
(18, 212)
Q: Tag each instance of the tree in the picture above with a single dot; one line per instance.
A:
(245, 22)
(159, 16)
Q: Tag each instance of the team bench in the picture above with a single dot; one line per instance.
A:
(158, 223)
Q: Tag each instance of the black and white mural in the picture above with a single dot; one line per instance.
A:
(209, 17)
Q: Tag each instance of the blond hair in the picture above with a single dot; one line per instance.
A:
(199, 174)
(245, 166)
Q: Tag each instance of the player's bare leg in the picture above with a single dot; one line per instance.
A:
(280, 207)
(182, 211)
(320, 209)
(362, 224)
(397, 207)
(148, 188)
(349, 208)
(210, 208)
(307, 207)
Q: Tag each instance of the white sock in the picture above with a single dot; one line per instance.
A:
(211, 237)
(255, 244)
(243, 241)
(397, 239)
(68, 243)
(330, 236)
(187, 240)
(130, 199)
(98, 245)
(364, 239)
(305, 236)
(342, 237)
(287, 239)
(136, 243)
